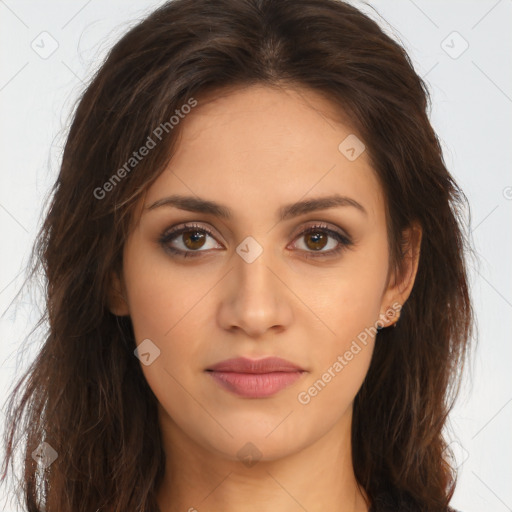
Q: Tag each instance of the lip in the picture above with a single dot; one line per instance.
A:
(255, 378)
(246, 365)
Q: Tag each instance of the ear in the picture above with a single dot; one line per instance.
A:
(116, 297)
(400, 283)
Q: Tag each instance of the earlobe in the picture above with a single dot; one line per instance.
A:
(117, 302)
(401, 283)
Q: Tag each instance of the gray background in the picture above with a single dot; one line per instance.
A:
(47, 53)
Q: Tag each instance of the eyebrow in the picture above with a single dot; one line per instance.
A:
(199, 205)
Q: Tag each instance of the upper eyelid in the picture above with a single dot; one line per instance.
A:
(318, 224)
(187, 226)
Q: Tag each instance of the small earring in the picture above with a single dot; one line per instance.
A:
(380, 327)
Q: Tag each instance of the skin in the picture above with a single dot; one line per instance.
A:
(256, 149)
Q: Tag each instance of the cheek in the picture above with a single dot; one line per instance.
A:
(159, 295)
(342, 358)
(350, 307)
(330, 392)
(362, 285)
(348, 299)
(168, 318)
(165, 304)
(343, 354)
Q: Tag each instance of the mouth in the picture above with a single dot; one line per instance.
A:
(255, 378)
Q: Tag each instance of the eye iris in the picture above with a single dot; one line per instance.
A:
(197, 236)
(319, 238)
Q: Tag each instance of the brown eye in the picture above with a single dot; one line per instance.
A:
(316, 240)
(187, 241)
(193, 239)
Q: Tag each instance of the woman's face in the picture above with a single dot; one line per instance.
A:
(251, 284)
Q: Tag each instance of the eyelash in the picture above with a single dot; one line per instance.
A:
(168, 236)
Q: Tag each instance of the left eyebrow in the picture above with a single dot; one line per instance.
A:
(199, 205)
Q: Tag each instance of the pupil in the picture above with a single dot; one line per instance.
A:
(195, 240)
(317, 243)
(197, 236)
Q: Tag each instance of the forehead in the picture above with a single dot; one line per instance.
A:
(259, 147)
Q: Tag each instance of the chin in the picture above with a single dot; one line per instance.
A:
(255, 441)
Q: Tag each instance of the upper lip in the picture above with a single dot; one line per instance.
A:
(245, 365)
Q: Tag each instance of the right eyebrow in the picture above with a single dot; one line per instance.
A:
(200, 205)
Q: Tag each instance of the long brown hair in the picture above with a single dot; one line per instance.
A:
(85, 393)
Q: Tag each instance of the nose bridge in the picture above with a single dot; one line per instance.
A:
(256, 282)
(255, 303)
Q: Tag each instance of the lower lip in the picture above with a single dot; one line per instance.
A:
(256, 385)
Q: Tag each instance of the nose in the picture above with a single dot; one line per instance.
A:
(255, 298)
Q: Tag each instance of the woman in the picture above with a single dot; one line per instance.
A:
(257, 293)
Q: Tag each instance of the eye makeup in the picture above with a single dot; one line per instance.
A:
(198, 233)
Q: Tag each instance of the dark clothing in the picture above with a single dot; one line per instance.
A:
(391, 509)
(386, 503)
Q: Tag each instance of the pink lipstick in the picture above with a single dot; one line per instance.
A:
(258, 378)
